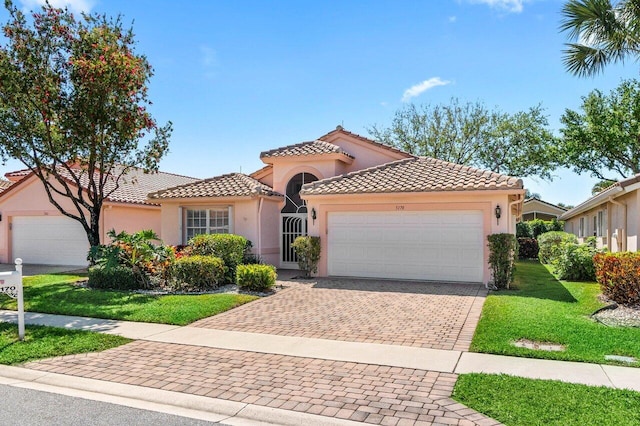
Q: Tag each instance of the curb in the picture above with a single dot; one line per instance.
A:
(169, 402)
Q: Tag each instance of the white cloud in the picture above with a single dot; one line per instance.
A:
(75, 6)
(209, 60)
(419, 88)
(453, 19)
(510, 6)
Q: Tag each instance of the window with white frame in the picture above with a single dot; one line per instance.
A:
(600, 223)
(207, 221)
(581, 230)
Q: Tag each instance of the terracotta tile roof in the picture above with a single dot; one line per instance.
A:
(17, 175)
(4, 184)
(229, 185)
(138, 184)
(418, 174)
(316, 147)
(341, 130)
(133, 186)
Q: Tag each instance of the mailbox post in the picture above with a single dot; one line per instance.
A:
(11, 285)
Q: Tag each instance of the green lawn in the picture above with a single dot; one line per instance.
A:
(515, 401)
(55, 294)
(45, 342)
(541, 308)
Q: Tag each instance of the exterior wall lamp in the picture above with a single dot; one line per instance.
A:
(498, 212)
(313, 214)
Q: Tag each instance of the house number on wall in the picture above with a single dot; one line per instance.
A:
(399, 208)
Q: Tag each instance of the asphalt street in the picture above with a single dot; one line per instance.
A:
(26, 407)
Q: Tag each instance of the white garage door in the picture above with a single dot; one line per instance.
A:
(49, 240)
(439, 246)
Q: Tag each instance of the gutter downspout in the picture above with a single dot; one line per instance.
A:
(259, 248)
(623, 237)
(511, 204)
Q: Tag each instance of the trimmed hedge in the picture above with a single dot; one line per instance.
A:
(528, 248)
(229, 247)
(619, 276)
(256, 277)
(198, 273)
(502, 256)
(551, 243)
(114, 278)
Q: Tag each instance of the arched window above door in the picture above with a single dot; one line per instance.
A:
(294, 204)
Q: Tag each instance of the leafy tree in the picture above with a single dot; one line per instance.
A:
(519, 144)
(73, 107)
(528, 194)
(514, 144)
(602, 33)
(566, 206)
(604, 139)
(450, 132)
(601, 186)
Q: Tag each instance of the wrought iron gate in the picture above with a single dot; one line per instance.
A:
(292, 226)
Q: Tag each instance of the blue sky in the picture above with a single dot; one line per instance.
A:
(240, 77)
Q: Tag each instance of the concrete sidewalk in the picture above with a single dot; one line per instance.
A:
(445, 361)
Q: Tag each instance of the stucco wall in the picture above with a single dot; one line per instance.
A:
(123, 217)
(270, 229)
(244, 222)
(484, 201)
(30, 199)
(366, 154)
(615, 220)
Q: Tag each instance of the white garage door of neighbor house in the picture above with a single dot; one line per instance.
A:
(434, 245)
(49, 240)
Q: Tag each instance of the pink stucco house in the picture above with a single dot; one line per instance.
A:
(33, 229)
(612, 216)
(379, 212)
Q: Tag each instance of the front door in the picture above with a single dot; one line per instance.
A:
(293, 225)
(293, 219)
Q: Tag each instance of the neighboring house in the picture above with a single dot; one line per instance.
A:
(380, 212)
(534, 208)
(612, 216)
(33, 229)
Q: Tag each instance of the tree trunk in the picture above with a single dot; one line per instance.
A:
(94, 233)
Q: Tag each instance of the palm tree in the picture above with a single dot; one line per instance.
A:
(602, 33)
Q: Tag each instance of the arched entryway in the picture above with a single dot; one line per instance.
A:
(293, 220)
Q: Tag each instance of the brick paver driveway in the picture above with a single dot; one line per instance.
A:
(428, 315)
(361, 392)
(400, 313)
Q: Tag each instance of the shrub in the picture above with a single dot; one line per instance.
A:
(502, 253)
(308, 252)
(116, 277)
(528, 248)
(575, 262)
(229, 247)
(550, 244)
(536, 227)
(523, 230)
(256, 277)
(198, 272)
(146, 260)
(619, 276)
